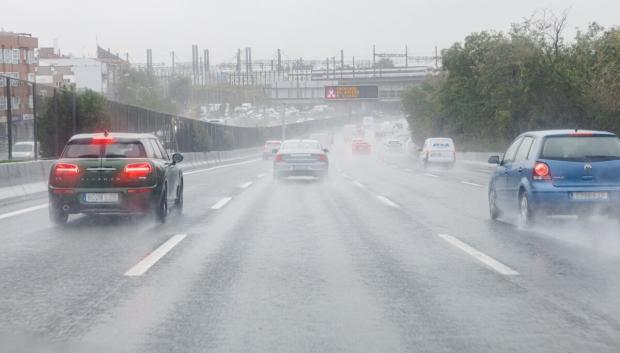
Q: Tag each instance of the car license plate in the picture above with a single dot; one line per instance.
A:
(436, 154)
(101, 197)
(587, 195)
(301, 167)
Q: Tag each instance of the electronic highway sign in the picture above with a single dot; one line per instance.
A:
(351, 92)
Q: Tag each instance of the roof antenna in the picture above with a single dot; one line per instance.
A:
(105, 133)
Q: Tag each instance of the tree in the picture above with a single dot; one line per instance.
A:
(55, 121)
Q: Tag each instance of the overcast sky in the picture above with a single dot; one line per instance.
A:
(301, 28)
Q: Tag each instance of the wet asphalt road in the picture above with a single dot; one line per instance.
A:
(382, 257)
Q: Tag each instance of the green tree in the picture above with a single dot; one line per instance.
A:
(55, 121)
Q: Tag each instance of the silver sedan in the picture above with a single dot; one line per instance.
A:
(301, 158)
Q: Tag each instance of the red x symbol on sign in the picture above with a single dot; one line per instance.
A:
(331, 93)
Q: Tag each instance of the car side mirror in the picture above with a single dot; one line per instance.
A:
(493, 160)
(177, 158)
(325, 150)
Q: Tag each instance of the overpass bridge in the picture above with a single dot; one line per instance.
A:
(310, 89)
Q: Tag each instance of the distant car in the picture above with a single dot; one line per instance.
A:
(393, 146)
(301, 158)
(438, 150)
(270, 148)
(23, 150)
(359, 146)
(114, 173)
(557, 172)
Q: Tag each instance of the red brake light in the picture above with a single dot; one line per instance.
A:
(138, 169)
(278, 158)
(66, 169)
(323, 157)
(581, 134)
(102, 140)
(542, 171)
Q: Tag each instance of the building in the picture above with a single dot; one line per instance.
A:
(17, 60)
(113, 67)
(83, 73)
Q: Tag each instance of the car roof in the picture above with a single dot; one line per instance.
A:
(543, 133)
(301, 140)
(128, 135)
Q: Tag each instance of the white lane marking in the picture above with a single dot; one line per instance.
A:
(485, 259)
(387, 201)
(221, 203)
(472, 184)
(261, 175)
(22, 211)
(359, 185)
(141, 267)
(220, 167)
(346, 176)
(246, 185)
(431, 175)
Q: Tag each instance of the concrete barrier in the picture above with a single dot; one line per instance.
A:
(28, 179)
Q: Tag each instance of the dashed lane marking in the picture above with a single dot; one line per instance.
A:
(387, 201)
(485, 259)
(151, 259)
(221, 203)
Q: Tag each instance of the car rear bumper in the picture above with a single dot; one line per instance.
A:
(561, 201)
(301, 169)
(131, 201)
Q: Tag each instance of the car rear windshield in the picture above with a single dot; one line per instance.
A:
(441, 144)
(581, 148)
(85, 148)
(300, 145)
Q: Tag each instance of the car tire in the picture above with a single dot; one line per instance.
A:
(494, 211)
(161, 212)
(526, 216)
(58, 216)
(178, 204)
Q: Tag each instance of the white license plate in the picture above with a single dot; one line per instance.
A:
(587, 195)
(101, 197)
(301, 167)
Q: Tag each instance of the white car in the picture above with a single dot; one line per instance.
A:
(23, 150)
(438, 150)
(393, 146)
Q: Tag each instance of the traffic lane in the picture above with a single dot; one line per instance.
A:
(573, 261)
(322, 267)
(52, 276)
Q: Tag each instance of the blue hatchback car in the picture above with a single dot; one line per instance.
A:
(557, 172)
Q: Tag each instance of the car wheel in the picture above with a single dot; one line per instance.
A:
(526, 217)
(162, 209)
(178, 205)
(493, 209)
(58, 216)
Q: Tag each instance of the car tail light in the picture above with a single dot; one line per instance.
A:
(541, 171)
(323, 157)
(278, 158)
(102, 140)
(139, 191)
(579, 133)
(68, 169)
(138, 169)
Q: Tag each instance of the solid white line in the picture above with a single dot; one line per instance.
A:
(387, 201)
(22, 211)
(221, 203)
(261, 175)
(431, 175)
(485, 259)
(346, 176)
(472, 184)
(220, 167)
(359, 185)
(246, 185)
(141, 267)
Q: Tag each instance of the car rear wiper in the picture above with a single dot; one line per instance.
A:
(601, 157)
(115, 156)
(88, 156)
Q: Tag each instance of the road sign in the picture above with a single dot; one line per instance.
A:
(351, 92)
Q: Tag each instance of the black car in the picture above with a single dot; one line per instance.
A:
(112, 173)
